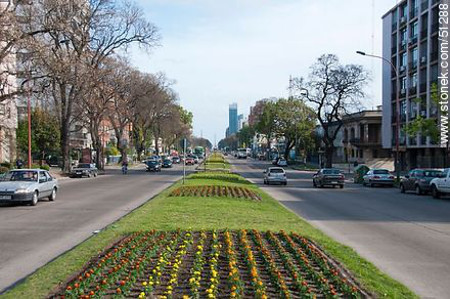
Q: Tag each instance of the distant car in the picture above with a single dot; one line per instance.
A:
(282, 162)
(329, 177)
(196, 160)
(378, 177)
(275, 175)
(28, 186)
(153, 165)
(167, 163)
(176, 160)
(418, 180)
(261, 156)
(225, 154)
(84, 169)
(275, 161)
(190, 161)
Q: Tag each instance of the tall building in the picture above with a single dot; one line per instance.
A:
(410, 41)
(241, 121)
(233, 119)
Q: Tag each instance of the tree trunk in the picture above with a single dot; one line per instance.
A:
(65, 150)
(157, 146)
(329, 150)
(289, 145)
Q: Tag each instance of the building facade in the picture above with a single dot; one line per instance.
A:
(410, 42)
(233, 119)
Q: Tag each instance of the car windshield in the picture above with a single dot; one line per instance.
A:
(331, 171)
(432, 173)
(381, 171)
(167, 161)
(276, 170)
(84, 166)
(25, 176)
(152, 162)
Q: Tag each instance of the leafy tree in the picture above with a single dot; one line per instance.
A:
(295, 121)
(266, 123)
(245, 135)
(45, 134)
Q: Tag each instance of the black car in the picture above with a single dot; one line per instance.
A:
(328, 176)
(418, 180)
(153, 165)
(167, 163)
(84, 169)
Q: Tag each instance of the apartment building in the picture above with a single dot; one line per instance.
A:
(410, 41)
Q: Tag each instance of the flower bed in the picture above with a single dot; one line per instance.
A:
(211, 264)
(215, 191)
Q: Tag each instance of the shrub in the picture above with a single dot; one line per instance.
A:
(6, 165)
(37, 166)
(3, 169)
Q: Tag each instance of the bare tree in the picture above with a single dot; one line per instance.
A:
(82, 35)
(334, 90)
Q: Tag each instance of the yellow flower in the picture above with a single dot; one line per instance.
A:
(142, 295)
(144, 283)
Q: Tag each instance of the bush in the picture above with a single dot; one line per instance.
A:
(3, 169)
(37, 166)
(360, 171)
(6, 165)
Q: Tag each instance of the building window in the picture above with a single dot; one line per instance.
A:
(413, 80)
(414, 29)
(404, 11)
(403, 85)
(403, 36)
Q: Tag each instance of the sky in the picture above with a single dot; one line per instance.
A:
(221, 52)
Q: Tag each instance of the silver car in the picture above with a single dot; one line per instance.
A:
(378, 177)
(27, 185)
(275, 175)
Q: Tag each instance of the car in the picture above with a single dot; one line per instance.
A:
(441, 185)
(176, 160)
(189, 161)
(275, 161)
(261, 156)
(418, 180)
(282, 162)
(28, 186)
(379, 177)
(275, 175)
(195, 158)
(84, 169)
(329, 177)
(153, 165)
(167, 163)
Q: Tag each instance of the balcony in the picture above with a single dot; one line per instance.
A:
(358, 142)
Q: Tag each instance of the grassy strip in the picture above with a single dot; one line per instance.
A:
(169, 213)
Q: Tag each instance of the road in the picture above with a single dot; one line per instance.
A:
(404, 235)
(32, 236)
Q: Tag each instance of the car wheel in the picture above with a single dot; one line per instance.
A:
(371, 184)
(35, 198)
(52, 196)
(89, 175)
(402, 188)
(314, 184)
(341, 186)
(285, 183)
(95, 174)
(364, 183)
(435, 192)
(418, 190)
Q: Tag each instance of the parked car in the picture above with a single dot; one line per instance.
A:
(378, 177)
(329, 177)
(418, 180)
(28, 185)
(282, 162)
(275, 175)
(153, 165)
(167, 163)
(261, 156)
(176, 160)
(84, 169)
(190, 161)
(441, 185)
(195, 158)
(275, 161)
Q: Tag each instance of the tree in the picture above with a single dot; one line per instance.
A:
(266, 124)
(245, 135)
(295, 121)
(81, 36)
(333, 90)
(45, 135)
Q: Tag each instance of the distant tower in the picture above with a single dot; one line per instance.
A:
(233, 119)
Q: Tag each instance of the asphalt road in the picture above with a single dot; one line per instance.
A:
(32, 236)
(404, 235)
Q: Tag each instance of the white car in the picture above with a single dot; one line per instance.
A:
(27, 185)
(441, 185)
(275, 175)
(378, 177)
(282, 162)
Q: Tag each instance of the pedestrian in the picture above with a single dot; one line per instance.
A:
(19, 163)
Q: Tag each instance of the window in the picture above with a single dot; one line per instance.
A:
(404, 60)
(403, 83)
(403, 35)
(404, 11)
(414, 55)
(413, 80)
(414, 29)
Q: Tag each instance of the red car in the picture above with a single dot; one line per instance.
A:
(190, 161)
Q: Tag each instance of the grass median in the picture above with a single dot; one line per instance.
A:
(166, 212)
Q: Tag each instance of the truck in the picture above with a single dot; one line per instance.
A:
(242, 153)
(199, 151)
(441, 185)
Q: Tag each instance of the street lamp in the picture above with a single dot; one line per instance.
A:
(397, 105)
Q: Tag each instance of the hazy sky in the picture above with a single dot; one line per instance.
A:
(220, 52)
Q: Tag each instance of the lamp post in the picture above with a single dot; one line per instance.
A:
(397, 105)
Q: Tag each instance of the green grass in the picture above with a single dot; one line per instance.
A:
(168, 213)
